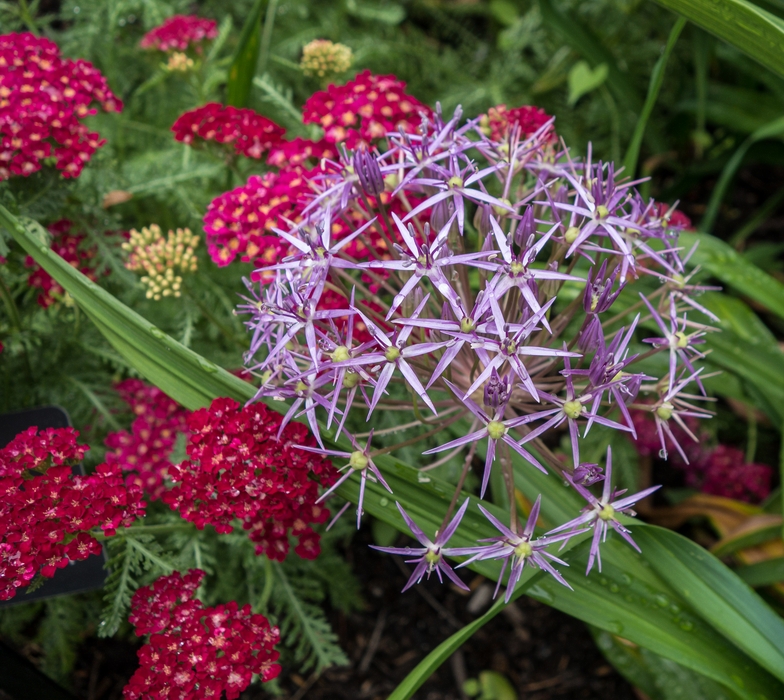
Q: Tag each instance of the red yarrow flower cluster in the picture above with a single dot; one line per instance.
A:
(250, 133)
(47, 512)
(300, 153)
(143, 452)
(241, 222)
(721, 470)
(364, 110)
(499, 121)
(196, 651)
(68, 246)
(239, 469)
(43, 97)
(179, 33)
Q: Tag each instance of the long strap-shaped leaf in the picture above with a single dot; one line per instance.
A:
(743, 24)
(623, 600)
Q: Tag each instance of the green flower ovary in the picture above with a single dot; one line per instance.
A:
(665, 411)
(358, 460)
(607, 513)
(340, 354)
(432, 557)
(571, 234)
(391, 353)
(467, 325)
(496, 429)
(351, 379)
(602, 212)
(572, 409)
(681, 339)
(523, 550)
(455, 181)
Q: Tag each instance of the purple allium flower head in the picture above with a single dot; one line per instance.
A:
(430, 557)
(601, 513)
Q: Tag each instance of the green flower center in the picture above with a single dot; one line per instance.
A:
(665, 411)
(499, 210)
(340, 354)
(358, 460)
(350, 380)
(432, 557)
(517, 268)
(496, 429)
(455, 181)
(301, 387)
(572, 409)
(467, 325)
(607, 512)
(602, 212)
(571, 234)
(682, 340)
(391, 354)
(523, 550)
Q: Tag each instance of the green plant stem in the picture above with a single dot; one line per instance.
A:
(146, 530)
(266, 36)
(10, 307)
(739, 237)
(266, 592)
(657, 78)
(751, 438)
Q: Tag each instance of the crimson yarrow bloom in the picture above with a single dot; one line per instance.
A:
(43, 98)
(248, 133)
(47, 512)
(194, 650)
(238, 469)
(180, 33)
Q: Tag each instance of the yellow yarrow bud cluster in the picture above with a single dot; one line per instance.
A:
(178, 61)
(159, 258)
(322, 58)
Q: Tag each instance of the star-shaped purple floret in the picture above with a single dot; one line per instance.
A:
(429, 557)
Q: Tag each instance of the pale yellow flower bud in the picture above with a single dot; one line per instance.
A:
(323, 59)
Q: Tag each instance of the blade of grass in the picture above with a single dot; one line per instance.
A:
(246, 57)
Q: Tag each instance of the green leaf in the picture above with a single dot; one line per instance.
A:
(751, 29)
(302, 619)
(388, 13)
(767, 528)
(716, 593)
(246, 57)
(729, 266)
(657, 78)
(593, 51)
(657, 677)
(583, 79)
(763, 573)
(770, 130)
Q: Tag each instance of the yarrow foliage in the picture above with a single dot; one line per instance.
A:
(243, 463)
(159, 258)
(250, 134)
(143, 452)
(47, 512)
(194, 650)
(481, 224)
(43, 98)
(180, 33)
